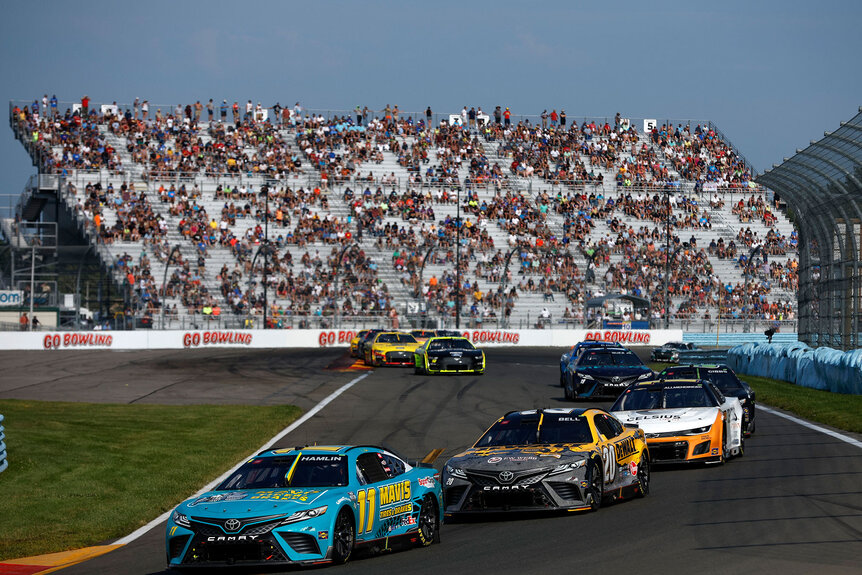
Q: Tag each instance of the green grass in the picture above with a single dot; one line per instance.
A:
(81, 474)
(838, 410)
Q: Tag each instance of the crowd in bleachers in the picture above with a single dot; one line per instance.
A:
(475, 161)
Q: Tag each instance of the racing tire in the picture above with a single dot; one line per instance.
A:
(428, 522)
(643, 478)
(568, 392)
(418, 370)
(750, 430)
(724, 452)
(343, 537)
(595, 485)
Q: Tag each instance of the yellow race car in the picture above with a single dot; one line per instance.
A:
(390, 348)
(548, 460)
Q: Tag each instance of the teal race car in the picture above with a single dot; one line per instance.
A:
(307, 505)
(448, 355)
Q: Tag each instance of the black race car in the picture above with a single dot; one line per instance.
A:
(449, 333)
(603, 372)
(448, 355)
(725, 380)
(669, 352)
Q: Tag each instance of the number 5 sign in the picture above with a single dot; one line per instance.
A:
(649, 124)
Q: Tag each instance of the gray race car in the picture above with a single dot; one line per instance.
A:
(545, 460)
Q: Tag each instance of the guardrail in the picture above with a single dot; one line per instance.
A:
(3, 463)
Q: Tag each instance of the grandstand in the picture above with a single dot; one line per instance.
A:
(353, 219)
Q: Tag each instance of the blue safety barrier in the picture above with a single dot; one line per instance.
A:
(822, 368)
(3, 463)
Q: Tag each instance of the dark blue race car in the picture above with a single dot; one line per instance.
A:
(576, 350)
(603, 372)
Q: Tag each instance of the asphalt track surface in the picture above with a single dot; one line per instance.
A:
(792, 504)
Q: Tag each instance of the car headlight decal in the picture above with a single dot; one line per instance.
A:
(305, 514)
(180, 519)
(565, 467)
(456, 472)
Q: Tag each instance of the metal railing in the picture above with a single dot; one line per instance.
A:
(3, 462)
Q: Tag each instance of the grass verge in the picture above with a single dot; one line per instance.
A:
(837, 410)
(81, 474)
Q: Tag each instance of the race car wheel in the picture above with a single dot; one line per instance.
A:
(344, 537)
(418, 370)
(643, 476)
(569, 392)
(595, 485)
(750, 430)
(429, 522)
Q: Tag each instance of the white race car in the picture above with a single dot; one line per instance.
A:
(684, 420)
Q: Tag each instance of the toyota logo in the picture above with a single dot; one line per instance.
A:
(506, 476)
(615, 379)
(232, 524)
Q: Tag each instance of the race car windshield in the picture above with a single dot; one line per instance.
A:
(274, 472)
(595, 358)
(510, 432)
(725, 381)
(663, 398)
(565, 429)
(455, 344)
(396, 338)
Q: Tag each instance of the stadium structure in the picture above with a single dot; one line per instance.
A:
(280, 218)
(822, 185)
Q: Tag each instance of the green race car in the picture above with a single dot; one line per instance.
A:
(448, 355)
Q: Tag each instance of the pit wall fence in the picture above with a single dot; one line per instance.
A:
(823, 368)
(3, 463)
(308, 338)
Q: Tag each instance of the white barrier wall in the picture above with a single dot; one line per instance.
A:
(309, 338)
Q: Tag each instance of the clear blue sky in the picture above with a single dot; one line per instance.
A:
(773, 75)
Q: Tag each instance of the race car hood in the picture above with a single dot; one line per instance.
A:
(611, 370)
(667, 420)
(252, 502)
(518, 458)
